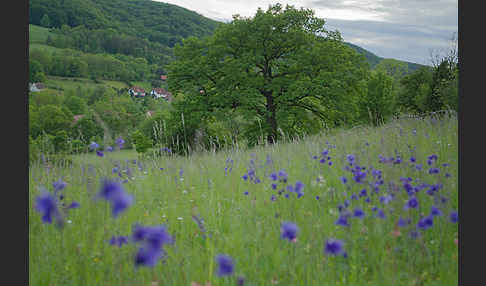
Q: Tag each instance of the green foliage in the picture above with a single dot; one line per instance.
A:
(36, 71)
(45, 21)
(142, 143)
(60, 141)
(85, 129)
(266, 65)
(379, 103)
(50, 119)
(77, 105)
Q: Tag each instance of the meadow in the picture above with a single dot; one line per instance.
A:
(366, 206)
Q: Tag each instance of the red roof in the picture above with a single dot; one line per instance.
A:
(163, 77)
(137, 89)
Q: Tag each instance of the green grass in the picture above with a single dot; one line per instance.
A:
(248, 227)
(38, 34)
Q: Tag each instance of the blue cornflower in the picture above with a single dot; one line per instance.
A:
(412, 159)
(289, 231)
(273, 176)
(73, 205)
(282, 176)
(350, 159)
(286, 195)
(274, 186)
(418, 167)
(246, 193)
(329, 163)
(453, 217)
(245, 177)
(114, 170)
(402, 222)
(344, 180)
(354, 197)
(363, 193)
(225, 265)
(434, 211)
(358, 213)
(342, 221)
(119, 241)
(59, 185)
(273, 198)
(426, 222)
(147, 256)
(120, 142)
(46, 204)
(100, 153)
(434, 170)
(333, 247)
(93, 146)
(317, 197)
(412, 203)
(109, 149)
(113, 192)
(386, 199)
(368, 200)
(299, 186)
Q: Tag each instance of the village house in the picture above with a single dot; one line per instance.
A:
(161, 93)
(163, 77)
(136, 91)
(36, 86)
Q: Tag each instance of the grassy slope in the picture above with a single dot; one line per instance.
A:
(248, 227)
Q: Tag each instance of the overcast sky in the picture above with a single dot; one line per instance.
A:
(401, 29)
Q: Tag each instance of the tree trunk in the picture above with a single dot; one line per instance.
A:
(271, 118)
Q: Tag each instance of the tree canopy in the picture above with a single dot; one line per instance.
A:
(280, 63)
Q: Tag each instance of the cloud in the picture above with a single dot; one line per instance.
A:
(401, 29)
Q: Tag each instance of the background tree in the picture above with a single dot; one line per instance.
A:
(279, 60)
(379, 103)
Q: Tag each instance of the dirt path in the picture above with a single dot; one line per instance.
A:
(106, 131)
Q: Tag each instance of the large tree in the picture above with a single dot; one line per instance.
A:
(278, 63)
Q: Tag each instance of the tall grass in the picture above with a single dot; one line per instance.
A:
(247, 227)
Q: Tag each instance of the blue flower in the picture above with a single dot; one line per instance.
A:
(299, 186)
(109, 149)
(225, 265)
(93, 146)
(59, 185)
(120, 142)
(153, 239)
(282, 176)
(453, 217)
(434, 211)
(73, 205)
(434, 170)
(147, 256)
(113, 192)
(289, 231)
(119, 241)
(412, 203)
(46, 204)
(246, 193)
(342, 221)
(426, 222)
(274, 176)
(333, 247)
(363, 193)
(100, 153)
(358, 213)
(245, 177)
(344, 180)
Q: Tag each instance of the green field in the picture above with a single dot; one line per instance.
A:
(247, 227)
(38, 34)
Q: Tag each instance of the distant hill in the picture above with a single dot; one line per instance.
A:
(145, 19)
(140, 28)
(373, 59)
